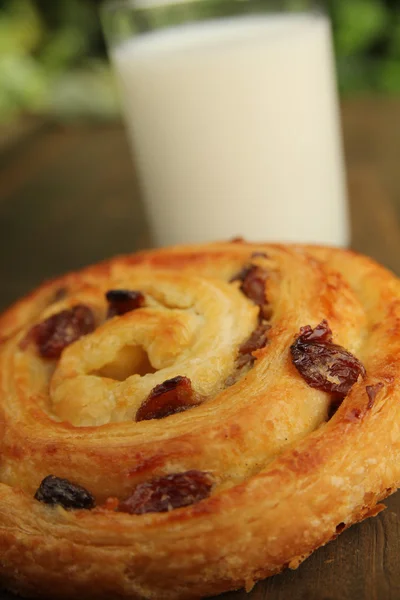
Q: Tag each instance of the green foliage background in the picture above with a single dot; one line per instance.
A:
(52, 54)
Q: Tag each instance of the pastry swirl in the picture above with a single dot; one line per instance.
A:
(183, 422)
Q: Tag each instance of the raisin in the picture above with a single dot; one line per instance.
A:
(253, 285)
(123, 301)
(372, 391)
(257, 340)
(59, 331)
(54, 490)
(321, 333)
(323, 364)
(254, 280)
(172, 396)
(163, 494)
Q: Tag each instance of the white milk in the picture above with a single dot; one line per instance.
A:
(235, 129)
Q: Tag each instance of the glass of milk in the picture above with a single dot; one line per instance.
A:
(232, 113)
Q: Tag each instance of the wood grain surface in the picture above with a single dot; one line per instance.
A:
(68, 198)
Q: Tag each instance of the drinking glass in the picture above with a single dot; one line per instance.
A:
(232, 113)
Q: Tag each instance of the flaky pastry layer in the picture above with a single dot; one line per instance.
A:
(287, 475)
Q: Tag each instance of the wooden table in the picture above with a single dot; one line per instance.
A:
(67, 199)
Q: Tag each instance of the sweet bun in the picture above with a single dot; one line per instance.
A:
(182, 422)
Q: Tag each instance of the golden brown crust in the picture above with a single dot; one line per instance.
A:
(287, 478)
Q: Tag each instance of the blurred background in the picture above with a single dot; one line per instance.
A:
(53, 58)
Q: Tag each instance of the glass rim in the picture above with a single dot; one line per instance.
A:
(123, 19)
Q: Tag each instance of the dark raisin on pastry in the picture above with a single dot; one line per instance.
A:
(323, 364)
(168, 398)
(123, 301)
(55, 490)
(253, 283)
(163, 494)
(257, 340)
(57, 332)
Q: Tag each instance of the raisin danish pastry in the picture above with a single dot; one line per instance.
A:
(186, 421)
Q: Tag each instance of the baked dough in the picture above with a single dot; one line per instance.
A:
(285, 466)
